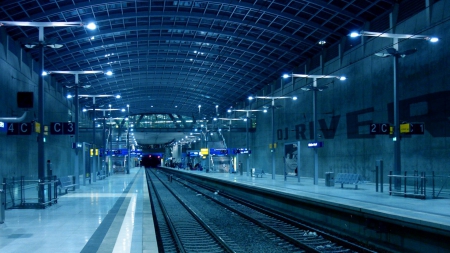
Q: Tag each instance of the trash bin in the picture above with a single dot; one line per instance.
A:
(2, 206)
(329, 179)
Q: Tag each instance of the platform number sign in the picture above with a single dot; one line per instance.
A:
(377, 128)
(417, 128)
(19, 129)
(58, 128)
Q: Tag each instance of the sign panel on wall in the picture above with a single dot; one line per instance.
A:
(315, 144)
(379, 128)
(19, 128)
(58, 128)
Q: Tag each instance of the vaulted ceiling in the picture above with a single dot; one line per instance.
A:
(172, 56)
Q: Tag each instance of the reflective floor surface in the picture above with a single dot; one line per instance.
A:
(110, 215)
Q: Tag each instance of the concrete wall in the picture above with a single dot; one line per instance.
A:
(346, 109)
(18, 155)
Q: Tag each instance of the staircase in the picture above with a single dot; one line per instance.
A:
(220, 164)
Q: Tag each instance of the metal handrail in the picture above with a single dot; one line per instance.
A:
(420, 184)
(21, 194)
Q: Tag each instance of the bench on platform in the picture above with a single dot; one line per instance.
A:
(119, 169)
(257, 173)
(348, 178)
(65, 183)
(101, 175)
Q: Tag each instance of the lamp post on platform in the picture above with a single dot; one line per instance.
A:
(128, 140)
(247, 121)
(396, 55)
(104, 133)
(77, 106)
(314, 88)
(93, 120)
(41, 44)
(273, 145)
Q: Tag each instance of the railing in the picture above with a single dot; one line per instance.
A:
(30, 194)
(416, 185)
(223, 139)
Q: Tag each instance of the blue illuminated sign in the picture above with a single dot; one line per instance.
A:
(193, 153)
(136, 153)
(240, 151)
(2, 126)
(219, 152)
(317, 144)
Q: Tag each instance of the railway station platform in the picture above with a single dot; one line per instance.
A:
(114, 214)
(386, 222)
(430, 212)
(110, 215)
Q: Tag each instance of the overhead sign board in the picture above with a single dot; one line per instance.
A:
(122, 151)
(58, 128)
(204, 151)
(19, 128)
(193, 153)
(93, 151)
(240, 151)
(135, 153)
(218, 151)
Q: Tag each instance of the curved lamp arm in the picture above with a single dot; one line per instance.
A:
(14, 119)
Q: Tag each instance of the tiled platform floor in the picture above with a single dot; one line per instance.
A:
(110, 215)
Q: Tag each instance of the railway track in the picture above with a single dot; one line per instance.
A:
(242, 226)
(178, 226)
